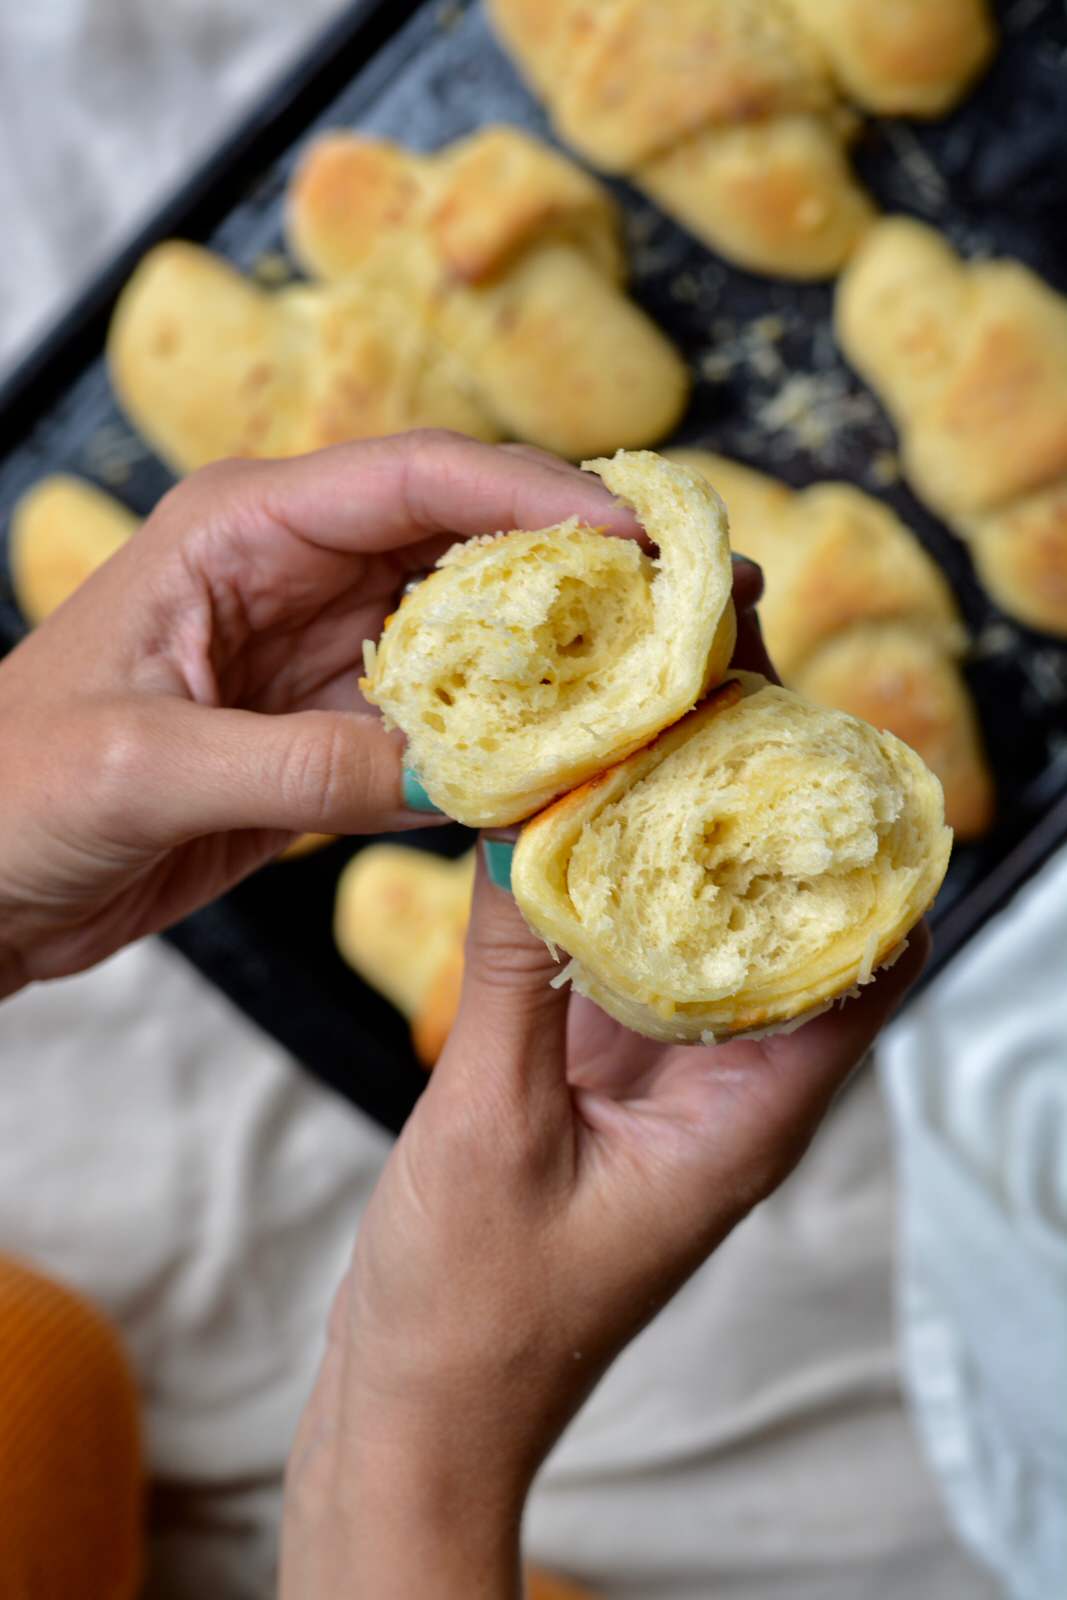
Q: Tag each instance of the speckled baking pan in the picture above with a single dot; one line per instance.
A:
(770, 388)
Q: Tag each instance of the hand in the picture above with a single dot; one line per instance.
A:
(195, 703)
(557, 1183)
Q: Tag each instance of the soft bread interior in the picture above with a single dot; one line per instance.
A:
(757, 860)
(530, 661)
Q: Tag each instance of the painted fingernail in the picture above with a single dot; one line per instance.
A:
(745, 561)
(415, 796)
(498, 854)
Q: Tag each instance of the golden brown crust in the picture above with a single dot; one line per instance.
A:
(904, 57)
(856, 615)
(61, 531)
(545, 1586)
(725, 112)
(971, 359)
(511, 257)
(207, 364)
(895, 677)
(433, 1022)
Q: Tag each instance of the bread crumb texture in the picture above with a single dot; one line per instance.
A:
(532, 660)
(763, 857)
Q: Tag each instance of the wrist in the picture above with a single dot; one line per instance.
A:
(388, 1511)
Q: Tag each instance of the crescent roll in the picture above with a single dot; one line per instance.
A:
(208, 364)
(530, 661)
(757, 861)
(400, 918)
(724, 111)
(856, 615)
(62, 530)
(910, 58)
(970, 359)
(511, 257)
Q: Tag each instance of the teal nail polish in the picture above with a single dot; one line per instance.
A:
(498, 854)
(415, 796)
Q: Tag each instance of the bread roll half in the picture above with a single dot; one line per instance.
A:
(531, 661)
(758, 860)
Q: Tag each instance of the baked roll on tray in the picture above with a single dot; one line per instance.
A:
(733, 114)
(759, 858)
(857, 616)
(970, 360)
(479, 289)
(400, 917)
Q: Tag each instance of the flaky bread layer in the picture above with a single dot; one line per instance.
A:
(529, 662)
(757, 861)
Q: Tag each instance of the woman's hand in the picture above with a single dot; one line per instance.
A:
(195, 704)
(557, 1183)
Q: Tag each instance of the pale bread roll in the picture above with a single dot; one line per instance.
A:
(856, 615)
(400, 917)
(511, 257)
(760, 859)
(207, 364)
(528, 662)
(896, 677)
(970, 359)
(1020, 552)
(723, 110)
(61, 531)
(911, 58)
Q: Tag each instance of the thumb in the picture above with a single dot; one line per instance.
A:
(511, 1022)
(193, 770)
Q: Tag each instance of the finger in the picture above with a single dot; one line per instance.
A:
(750, 651)
(511, 1021)
(172, 771)
(377, 495)
(764, 1100)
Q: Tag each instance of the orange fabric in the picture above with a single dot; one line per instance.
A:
(540, 1586)
(70, 1456)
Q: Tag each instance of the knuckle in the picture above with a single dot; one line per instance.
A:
(114, 759)
(314, 769)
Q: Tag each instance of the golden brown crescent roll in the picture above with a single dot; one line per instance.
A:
(970, 359)
(901, 57)
(724, 111)
(856, 615)
(208, 364)
(530, 661)
(512, 257)
(897, 677)
(755, 862)
(400, 918)
(62, 530)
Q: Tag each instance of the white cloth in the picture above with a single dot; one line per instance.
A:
(977, 1079)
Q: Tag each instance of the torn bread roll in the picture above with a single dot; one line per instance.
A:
(857, 615)
(510, 257)
(400, 919)
(530, 661)
(760, 859)
(970, 360)
(61, 531)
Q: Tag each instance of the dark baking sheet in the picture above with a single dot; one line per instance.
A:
(770, 389)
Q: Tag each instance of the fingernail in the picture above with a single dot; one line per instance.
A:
(415, 796)
(498, 854)
(745, 561)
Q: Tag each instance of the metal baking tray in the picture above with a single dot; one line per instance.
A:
(770, 389)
